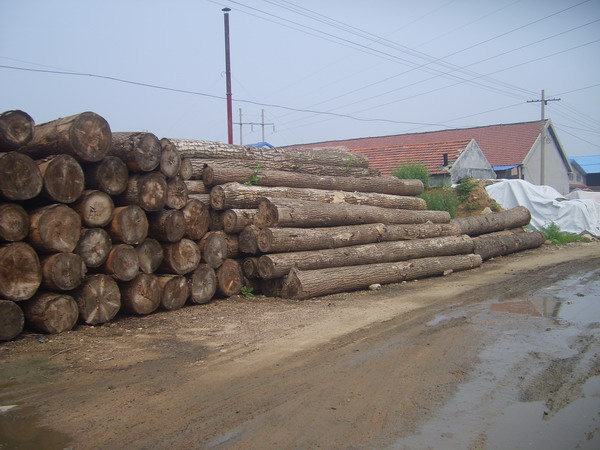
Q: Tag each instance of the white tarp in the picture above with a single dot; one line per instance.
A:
(548, 206)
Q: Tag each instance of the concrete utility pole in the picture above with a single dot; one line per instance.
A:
(544, 101)
(228, 78)
(261, 123)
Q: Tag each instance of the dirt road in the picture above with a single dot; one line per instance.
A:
(436, 363)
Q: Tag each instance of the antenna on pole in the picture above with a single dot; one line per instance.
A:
(544, 101)
(228, 78)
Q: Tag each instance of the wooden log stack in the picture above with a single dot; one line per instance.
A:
(94, 222)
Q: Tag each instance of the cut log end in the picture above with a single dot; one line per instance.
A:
(16, 129)
(11, 320)
(98, 299)
(20, 271)
(230, 278)
(14, 222)
(90, 137)
(141, 295)
(51, 313)
(21, 178)
(203, 284)
(175, 291)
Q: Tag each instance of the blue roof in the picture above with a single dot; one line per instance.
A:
(589, 163)
(262, 144)
(511, 166)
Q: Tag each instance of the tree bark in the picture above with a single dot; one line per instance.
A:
(11, 320)
(85, 136)
(230, 278)
(313, 283)
(177, 194)
(95, 208)
(235, 220)
(54, 228)
(129, 225)
(170, 159)
(505, 242)
(488, 223)
(204, 198)
(250, 267)
(109, 175)
(248, 239)
(63, 179)
(302, 214)
(51, 313)
(279, 264)
(62, 271)
(180, 257)
(141, 295)
(150, 255)
(240, 196)
(186, 170)
(93, 247)
(197, 187)
(216, 220)
(400, 232)
(167, 225)
(16, 130)
(216, 150)
(174, 291)
(122, 262)
(215, 175)
(203, 284)
(140, 151)
(148, 191)
(197, 219)
(14, 222)
(98, 299)
(20, 177)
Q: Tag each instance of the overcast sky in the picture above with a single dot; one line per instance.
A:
(320, 69)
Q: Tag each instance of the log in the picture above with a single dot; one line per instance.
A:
(11, 320)
(272, 288)
(109, 175)
(140, 151)
(204, 198)
(63, 178)
(197, 187)
(62, 271)
(170, 159)
(488, 223)
(167, 225)
(16, 130)
(129, 225)
(279, 264)
(148, 191)
(140, 295)
(214, 249)
(20, 178)
(122, 262)
(248, 240)
(150, 255)
(95, 208)
(86, 137)
(277, 240)
(250, 267)
(175, 291)
(503, 243)
(51, 313)
(177, 194)
(301, 285)
(305, 167)
(93, 247)
(180, 257)
(298, 213)
(235, 220)
(239, 196)
(215, 175)
(54, 228)
(197, 219)
(186, 170)
(203, 284)
(230, 278)
(216, 150)
(98, 299)
(14, 222)
(216, 220)
(20, 271)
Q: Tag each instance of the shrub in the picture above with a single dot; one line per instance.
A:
(464, 187)
(415, 171)
(554, 234)
(441, 199)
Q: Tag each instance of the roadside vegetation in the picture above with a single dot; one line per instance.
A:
(554, 234)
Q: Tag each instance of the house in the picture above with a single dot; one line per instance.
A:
(577, 177)
(589, 166)
(514, 150)
(447, 162)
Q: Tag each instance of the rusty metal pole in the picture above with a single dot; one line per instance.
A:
(228, 78)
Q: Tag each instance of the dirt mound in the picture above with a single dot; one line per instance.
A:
(476, 202)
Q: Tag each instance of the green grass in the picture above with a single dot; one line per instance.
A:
(464, 187)
(554, 234)
(441, 198)
(413, 171)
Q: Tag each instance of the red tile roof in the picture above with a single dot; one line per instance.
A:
(386, 159)
(503, 144)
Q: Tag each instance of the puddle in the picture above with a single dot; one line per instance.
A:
(20, 429)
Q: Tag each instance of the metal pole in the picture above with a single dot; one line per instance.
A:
(241, 125)
(543, 143)
(228, 78)
(262, 122)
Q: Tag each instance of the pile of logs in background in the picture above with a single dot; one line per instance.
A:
(94, 222)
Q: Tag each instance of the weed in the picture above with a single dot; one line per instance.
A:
(246, 292)
(254, 179)
(464, 187)
(441, 199)
(414, 171)
(349, 160)
(554, 234)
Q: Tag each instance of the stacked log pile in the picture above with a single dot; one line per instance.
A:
(94, 222)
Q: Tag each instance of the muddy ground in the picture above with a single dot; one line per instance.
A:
(444, 362)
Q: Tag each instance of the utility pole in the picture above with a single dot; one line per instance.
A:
(228, 78)
(261, 123)
(544, 101)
